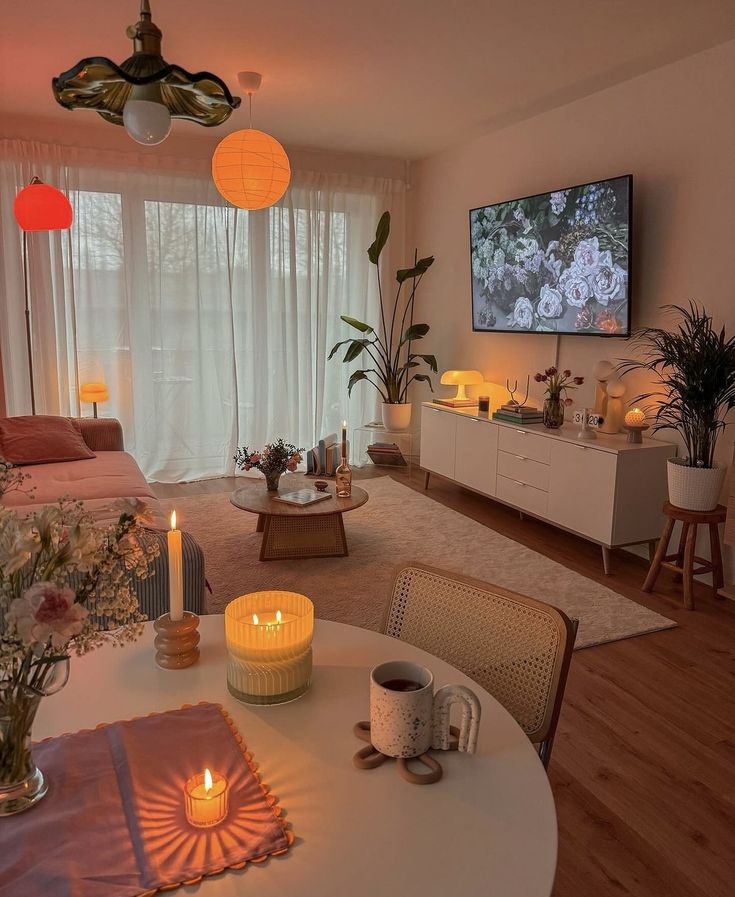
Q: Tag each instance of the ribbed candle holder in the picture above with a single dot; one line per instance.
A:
(269, 638)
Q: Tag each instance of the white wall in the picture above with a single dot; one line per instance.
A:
(674, 130)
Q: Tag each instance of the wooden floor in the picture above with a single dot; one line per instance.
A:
(643, 769)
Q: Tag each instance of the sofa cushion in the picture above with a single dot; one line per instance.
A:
(41, 439)
(97, 481)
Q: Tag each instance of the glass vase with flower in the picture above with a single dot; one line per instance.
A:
(273, 461)
(558, 383)
(66, 586)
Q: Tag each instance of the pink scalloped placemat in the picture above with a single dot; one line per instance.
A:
(113, 822)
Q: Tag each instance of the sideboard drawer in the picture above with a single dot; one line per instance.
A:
(523, 496)
(525, 470)
(520, 442)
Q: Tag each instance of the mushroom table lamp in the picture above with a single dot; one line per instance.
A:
(93, 393)
(460, 379)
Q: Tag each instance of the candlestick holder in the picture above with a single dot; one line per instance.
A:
(635, 432)
(343, 479)
(177, 641)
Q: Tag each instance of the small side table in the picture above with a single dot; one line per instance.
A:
(683, 560)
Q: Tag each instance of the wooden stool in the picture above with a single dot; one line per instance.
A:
(683, 561)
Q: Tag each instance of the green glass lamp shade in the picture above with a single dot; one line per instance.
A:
(98, 83)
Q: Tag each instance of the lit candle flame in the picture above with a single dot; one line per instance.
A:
(256, 621)
(207, 781)
(278, 616)
(173, 519)
(344, 424)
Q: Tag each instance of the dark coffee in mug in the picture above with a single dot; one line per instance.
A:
(402, 685)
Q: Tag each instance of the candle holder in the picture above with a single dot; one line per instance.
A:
(343, 478)
(206, 798)
(635, 432)
(269, 646)
(177, 641)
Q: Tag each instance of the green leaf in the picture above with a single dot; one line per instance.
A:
(415, 331)
(336, 347)
(381, 237)
(426, 378)
(355, 349)
(421, 267)
(358, 325)
(355, 378)
(429, 359)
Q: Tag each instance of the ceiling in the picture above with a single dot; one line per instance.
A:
(401, 78)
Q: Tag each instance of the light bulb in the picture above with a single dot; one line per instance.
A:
(145, 117)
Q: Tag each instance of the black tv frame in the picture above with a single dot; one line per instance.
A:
(623, 334)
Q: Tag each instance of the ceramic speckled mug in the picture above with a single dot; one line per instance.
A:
(407, 719)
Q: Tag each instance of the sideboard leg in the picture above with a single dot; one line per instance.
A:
(606, 559)
(426, 480)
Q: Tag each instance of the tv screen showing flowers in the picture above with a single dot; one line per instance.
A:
(555, 262)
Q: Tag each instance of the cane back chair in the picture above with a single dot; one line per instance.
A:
(518, 649)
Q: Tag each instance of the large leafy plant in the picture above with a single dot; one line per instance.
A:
(389, 345)
(693, 366)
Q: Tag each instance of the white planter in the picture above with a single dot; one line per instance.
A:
(694, 488)
(396, 417)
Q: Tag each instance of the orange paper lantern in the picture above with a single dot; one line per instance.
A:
(251, 169)
(40, 206)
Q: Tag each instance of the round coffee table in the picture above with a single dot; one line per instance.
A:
(291, 532)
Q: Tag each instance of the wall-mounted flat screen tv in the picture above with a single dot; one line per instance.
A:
(555, 262)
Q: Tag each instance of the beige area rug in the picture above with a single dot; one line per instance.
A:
(395, 527)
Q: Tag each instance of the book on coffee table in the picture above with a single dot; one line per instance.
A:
(302, 497)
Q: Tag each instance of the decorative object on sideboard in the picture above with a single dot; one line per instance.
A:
(275, 459)
(389, 344)
(460, 379)
(269, 638)
(38, 207)
(513, 404)
(588, 423)
(635, 423)
(558, 383)
(693, 371)
(514, 412)
(92, 394)
(602, 372)
(144, 92)
(250, 168)
(483, 404)
(614, 407)
(68, 586)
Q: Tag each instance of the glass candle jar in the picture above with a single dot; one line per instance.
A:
(269, 638)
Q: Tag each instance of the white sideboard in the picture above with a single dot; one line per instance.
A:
(607, 490)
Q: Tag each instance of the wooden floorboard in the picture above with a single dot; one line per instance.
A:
(643, 769)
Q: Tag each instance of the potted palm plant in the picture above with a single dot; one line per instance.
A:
(693, 366)
(389, 345)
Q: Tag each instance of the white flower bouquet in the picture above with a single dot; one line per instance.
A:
(67, 584)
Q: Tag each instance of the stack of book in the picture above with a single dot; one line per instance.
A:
(386, 453)
(518, 414)
(324, 459)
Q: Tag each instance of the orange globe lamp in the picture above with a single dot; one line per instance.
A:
(250, 169)
(40, 206)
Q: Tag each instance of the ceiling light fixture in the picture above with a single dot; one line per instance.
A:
(144, 92)
(250, 168)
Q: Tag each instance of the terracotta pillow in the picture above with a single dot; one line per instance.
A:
(41, 439)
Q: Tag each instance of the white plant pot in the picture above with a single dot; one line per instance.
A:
(396, 417)
(694, 488)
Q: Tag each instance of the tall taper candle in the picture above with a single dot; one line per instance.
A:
(175, 572)
(344, 439)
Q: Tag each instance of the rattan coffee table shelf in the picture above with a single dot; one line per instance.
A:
(292, 532)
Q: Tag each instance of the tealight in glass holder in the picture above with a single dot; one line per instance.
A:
(206, 799)
(269, 638)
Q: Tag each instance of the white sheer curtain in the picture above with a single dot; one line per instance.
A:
(211, 326)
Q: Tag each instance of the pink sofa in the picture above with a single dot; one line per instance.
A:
(98, 482)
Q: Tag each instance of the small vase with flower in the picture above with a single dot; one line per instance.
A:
(557, 385)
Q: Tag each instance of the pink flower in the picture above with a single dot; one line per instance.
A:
(246, 467)
(567, 373)
(538, 377)
(44, 612)
(255, 458)
(292, 464)
(550, 371)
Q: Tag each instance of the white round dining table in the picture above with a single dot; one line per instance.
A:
(487, 828)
